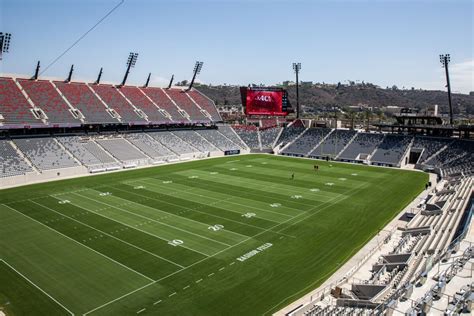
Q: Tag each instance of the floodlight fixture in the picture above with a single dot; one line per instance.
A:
(445, 60)
(4, 43)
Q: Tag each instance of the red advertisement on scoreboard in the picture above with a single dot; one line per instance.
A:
(264, 103)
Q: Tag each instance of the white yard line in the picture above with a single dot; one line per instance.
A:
(112, 236)
(244, 205)
(174, 215)
(153, 220)
(176, 272)
(36, 286)
(136, 228)
(93, 250)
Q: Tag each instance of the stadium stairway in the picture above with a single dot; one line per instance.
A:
(345, 147)
(320, 142)
(294, 140)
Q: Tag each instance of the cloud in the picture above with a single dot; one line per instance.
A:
(462, 76)
(159, 81)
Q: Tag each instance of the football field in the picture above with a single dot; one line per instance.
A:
(233, 235)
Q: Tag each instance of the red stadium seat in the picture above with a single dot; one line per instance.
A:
(14, 107)
(45, 96)
(140, 100)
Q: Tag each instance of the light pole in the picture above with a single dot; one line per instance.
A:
(297, 68)
(4, 43)
(445, 59)
(131, 61)
(197, 70)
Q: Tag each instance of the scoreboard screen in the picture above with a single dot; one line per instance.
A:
(265, 101)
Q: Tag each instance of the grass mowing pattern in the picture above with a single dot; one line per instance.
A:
(101, 245)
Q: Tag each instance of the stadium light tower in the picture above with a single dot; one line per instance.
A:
(197, 70)
(131, 61)
(445, 59)
(297, 68)
(4, 43)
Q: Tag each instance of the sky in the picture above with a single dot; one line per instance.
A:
(245, 41)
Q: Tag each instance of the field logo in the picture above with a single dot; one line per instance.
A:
(249, 215)
(175, 242)
(296, 197)
(105, 194)
(216, 228)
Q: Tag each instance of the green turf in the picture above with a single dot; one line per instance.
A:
(101, 244)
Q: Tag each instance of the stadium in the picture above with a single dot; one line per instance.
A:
(126, 199)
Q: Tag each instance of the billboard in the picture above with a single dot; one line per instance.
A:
(265, 101)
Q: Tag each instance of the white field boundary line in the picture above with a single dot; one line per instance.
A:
(327, 274)
(36, 286)
(187, 210)
(111, 236)
(153, 220)
(208, 214)
(210, 186)
(93, 250)
(136, 228)
(168, 214)
(228, 201)
(289, 189)
(330, 204)
(191, 265)
(246, 186)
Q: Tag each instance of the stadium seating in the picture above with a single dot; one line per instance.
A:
(121, 149)
(82, 98)
(249, 134)
(268, 136)
(45, 153)
(140, 100)
(289, 134)
(45, 96)
(110, 95)
(195, 140)
(228, 132)
(206, 104)
(334, 143)
(217, 139)
(307, 141)
(174, 143)
(86, 151)
(364, 144)
(430, 146)
(458, 157)
(391, 150)
(11, 163)
(149, 145)
(161, 99)
(186, 104)
(14, 107)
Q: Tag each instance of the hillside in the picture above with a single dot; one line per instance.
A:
(317, 96)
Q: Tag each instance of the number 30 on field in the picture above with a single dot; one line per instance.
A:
(215, 228)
